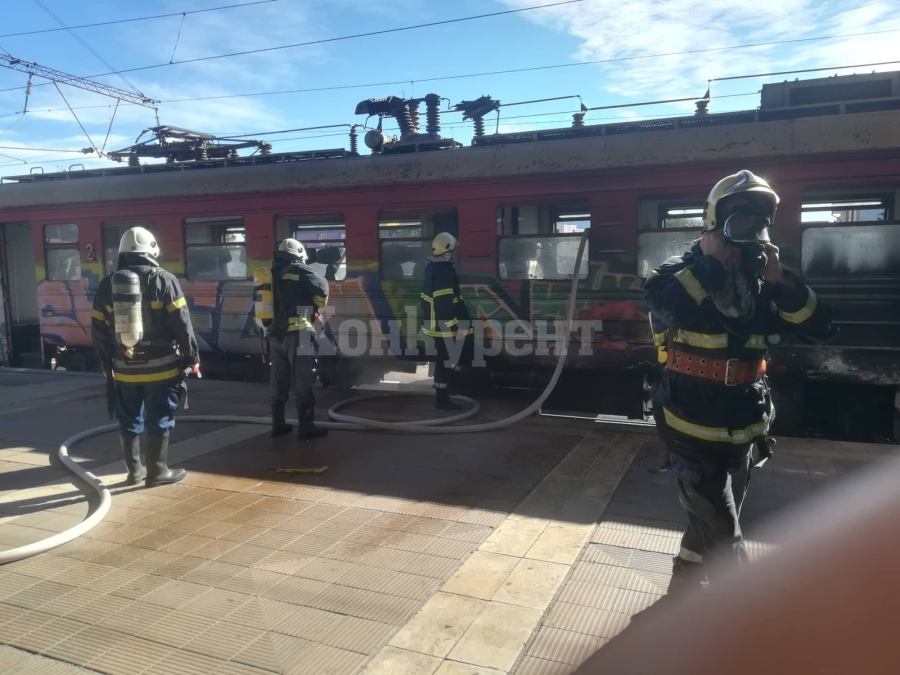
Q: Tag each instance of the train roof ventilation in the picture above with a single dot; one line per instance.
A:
(832, 95)
(406, 112)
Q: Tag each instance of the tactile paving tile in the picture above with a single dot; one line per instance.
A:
(135, 618)
(213, 573)
(261, 654)
(41, 639)
(85, 645)
(223, 640)
(141, 586)
(186, 663)
(589, 595)
(216, 603)
(131, 656)
(608, 554)
(175, 629)
(19, 662)
(587, 620)
(562, 646)
(532, 666)
(95, 610)
(246, 555)
(38, 594)
(40, 567)
(253, 582)
(282, 562)
(651, 562)
(214, 549)
(325, 660)
(356, 635)
(632, 602)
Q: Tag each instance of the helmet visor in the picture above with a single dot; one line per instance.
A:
(747, 227)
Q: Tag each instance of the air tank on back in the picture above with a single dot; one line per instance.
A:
(263, 298)
(127, 316)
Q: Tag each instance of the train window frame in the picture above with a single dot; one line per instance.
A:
(573, 208)
(689, 209)
(644, 273)
(225, 222)
(289, 225)
(838, 202)
(549, 215)
(858, 229)
(503, 272)
(122, 227)
(428, 233)
(61, 246)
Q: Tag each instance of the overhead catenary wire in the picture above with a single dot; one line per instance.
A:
(803, 70)
(139, 18)
(88, 47)
(325, 40)
(620, 59)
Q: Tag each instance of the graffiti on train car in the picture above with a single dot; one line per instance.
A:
(371, 316)
(65, 307)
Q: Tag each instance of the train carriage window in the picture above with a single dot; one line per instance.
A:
(654, 248)
(406, 241)
(541, 242)
(851, 251)
(111, 235)
(215, 249)
(62, 252)
(324, 236)
(859, 209)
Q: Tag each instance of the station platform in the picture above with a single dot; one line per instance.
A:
(520, 551)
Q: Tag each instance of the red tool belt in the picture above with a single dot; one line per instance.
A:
(729, 372)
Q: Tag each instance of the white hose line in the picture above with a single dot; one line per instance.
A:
(342, 422)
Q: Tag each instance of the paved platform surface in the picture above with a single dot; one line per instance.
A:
(518, 551)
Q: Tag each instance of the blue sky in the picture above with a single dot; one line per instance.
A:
(565, 34)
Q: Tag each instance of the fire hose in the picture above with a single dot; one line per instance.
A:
(340, 422)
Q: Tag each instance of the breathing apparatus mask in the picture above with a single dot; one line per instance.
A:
(747, 228)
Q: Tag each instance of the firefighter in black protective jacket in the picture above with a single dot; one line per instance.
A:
(446, 319)
(299, 295)
(149, 377)
(712, 313)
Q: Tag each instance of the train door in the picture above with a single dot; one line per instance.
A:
(20, 335)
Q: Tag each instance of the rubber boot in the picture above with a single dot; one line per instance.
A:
(131, 449)
(442, 401)
(158, 472)
(308, 430)
(279, 426)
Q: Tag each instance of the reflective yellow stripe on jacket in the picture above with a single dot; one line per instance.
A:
(296, 323)
(432, 318)
(715, 434)
(702, 340)
(147, 378)
(802, 314)
(693, 287)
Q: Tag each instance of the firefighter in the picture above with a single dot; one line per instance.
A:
(713, 312)
(446, 319)
(300, 294)
(148, 375)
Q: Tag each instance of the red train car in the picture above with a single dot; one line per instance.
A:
(518, 204)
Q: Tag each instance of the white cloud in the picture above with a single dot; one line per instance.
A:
(611, 29)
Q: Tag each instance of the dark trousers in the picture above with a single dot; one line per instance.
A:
(452, 357)
(292, 359)
(155, 402)
(711, 487)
